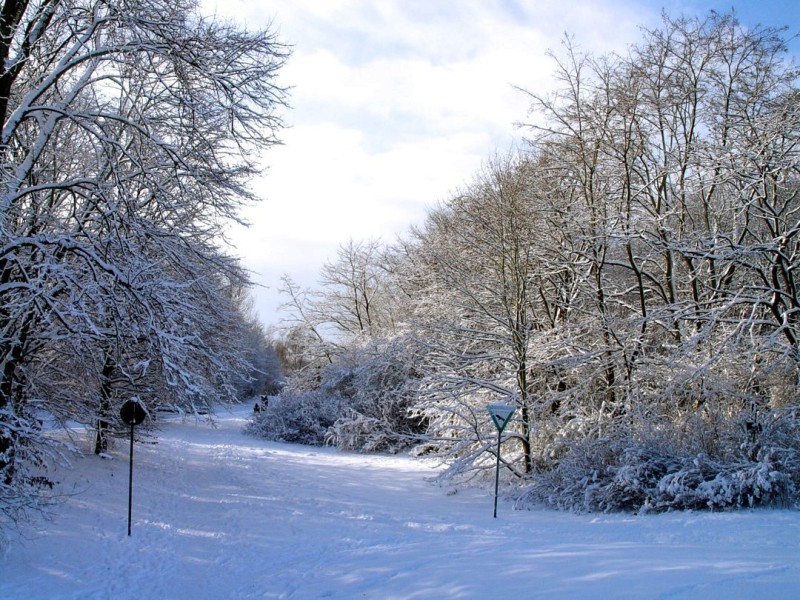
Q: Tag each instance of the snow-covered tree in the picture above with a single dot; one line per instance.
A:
(638, 297)
(350, 369)
(477, 316)
(362, 401)
(685, 154)
(128, 133)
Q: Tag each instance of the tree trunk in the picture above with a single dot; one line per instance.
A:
(104, 410)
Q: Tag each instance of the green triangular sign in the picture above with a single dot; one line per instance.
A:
(501, 414)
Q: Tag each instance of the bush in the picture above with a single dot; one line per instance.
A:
(626, 475)
(362, 433)
(297, 416)
(360, 403)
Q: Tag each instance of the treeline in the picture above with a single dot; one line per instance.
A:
(627, 281)
(127, 129)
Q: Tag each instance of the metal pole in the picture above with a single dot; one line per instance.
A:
(130, 484)
(497, 473)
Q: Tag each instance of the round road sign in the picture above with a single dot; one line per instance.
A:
(132, 412)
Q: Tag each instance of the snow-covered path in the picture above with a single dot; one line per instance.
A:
(221, 515)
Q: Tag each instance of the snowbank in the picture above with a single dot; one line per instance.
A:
(218, 514)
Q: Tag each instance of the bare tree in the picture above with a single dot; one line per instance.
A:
(356, 297)
(128, 132)
(478, 275)
(643, 285)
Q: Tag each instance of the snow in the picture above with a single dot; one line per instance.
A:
(218, 514)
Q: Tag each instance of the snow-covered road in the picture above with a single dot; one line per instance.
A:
(218, 514)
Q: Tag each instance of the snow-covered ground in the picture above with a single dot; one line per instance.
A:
(218, 514)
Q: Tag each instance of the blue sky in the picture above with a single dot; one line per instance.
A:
(395, 104)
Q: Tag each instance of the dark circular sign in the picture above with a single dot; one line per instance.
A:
(132, 412)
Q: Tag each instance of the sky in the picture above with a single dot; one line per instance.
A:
(395, 104)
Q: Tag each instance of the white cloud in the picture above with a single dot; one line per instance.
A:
(395, 105)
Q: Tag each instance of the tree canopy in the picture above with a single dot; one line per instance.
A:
(128, 135)
(626, 281)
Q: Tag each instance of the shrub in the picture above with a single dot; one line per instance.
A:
(618, 473)
(297, 416)
(360, 403)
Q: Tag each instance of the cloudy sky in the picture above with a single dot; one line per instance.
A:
(395, 104)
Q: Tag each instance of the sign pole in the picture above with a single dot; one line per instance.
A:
(130, 484)
(501, 414)
(496, 473)
(132, 413)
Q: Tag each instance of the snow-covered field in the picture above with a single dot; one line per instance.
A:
(221, 515)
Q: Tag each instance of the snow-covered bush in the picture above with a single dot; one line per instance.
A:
(660, 473)
(296, 416)
(30, 490)
(362, 433)
(361, 403)
(382, 380)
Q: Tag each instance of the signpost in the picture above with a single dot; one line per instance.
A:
(132, 413)
(501, 414)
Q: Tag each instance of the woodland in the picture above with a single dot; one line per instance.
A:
(625, 279)
(126, 132)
